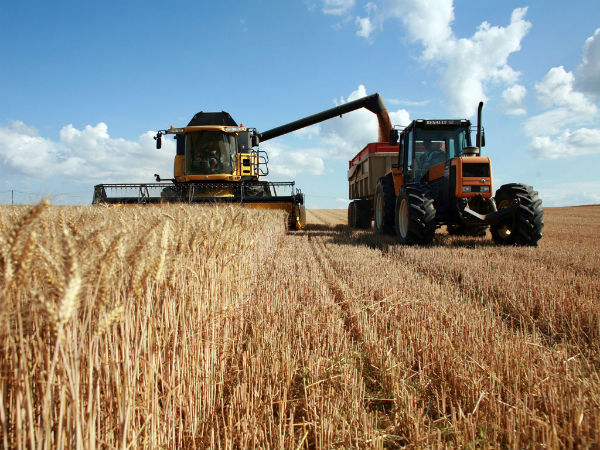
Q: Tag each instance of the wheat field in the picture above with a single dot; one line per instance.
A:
(212, 327)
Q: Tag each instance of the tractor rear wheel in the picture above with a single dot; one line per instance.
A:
(525, 226)
(384, 205)
(415, 215)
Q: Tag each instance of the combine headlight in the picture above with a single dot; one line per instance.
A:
(466, 188)
(485, 189)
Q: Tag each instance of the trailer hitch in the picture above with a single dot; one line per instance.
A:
(495, 217)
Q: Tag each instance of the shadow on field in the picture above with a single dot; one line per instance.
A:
(344, 235)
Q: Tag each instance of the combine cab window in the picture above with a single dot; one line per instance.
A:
(209, 152)
(434, 146)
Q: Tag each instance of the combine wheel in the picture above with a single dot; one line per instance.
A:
(170, 194)
(525, 226)
(415, 215)
(297, 218)
(384, 205)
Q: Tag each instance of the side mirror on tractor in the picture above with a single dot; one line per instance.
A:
(394, 135)
(158, 139)
(482, 143)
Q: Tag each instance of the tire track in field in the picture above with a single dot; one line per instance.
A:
(371, 377)
(509, 310)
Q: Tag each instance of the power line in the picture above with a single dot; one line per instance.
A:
(28, 197)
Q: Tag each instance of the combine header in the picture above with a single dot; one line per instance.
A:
(217, 160)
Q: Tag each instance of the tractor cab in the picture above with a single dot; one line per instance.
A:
(440, 155)
(428, 143)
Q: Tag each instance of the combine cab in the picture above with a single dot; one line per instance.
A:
(216, 161)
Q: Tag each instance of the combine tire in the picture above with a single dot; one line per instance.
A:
(525, 226)
(415, 215)
(384, 205)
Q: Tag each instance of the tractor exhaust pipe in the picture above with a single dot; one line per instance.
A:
(480, 143)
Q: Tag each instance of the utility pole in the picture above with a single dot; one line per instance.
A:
(12, 197)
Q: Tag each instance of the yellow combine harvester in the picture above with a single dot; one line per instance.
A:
(217, 160)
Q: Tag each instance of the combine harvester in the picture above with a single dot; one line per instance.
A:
(217, 160)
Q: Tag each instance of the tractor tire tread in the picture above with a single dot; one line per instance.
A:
(385, 186)
(422, 213)
(529, 218)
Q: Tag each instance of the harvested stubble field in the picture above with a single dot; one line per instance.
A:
(211, 327)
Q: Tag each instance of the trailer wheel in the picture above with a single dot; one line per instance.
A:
(415, 215)
(525, 226)
(352, 214)
(384, 205)
(362, 214)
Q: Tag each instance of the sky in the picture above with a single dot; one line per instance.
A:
(84, 86)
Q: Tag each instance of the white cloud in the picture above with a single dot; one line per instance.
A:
(583, 141)
(570, 194)
(550, 132)
(87, 155)
(589, 70)
(365, 27)
(556, 89)
(337, 7)
(395, 101)
(513, 100)
(465, 66)
(550, 122)
(286, 163)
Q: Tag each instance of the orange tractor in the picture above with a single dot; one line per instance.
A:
(429, 174)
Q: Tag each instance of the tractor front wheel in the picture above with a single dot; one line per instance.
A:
(524, 227)
(415, 215)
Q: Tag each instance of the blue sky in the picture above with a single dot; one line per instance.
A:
(83, 86)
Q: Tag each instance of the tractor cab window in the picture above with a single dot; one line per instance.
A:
(209, 152)
(409, 152)
(435, 146)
